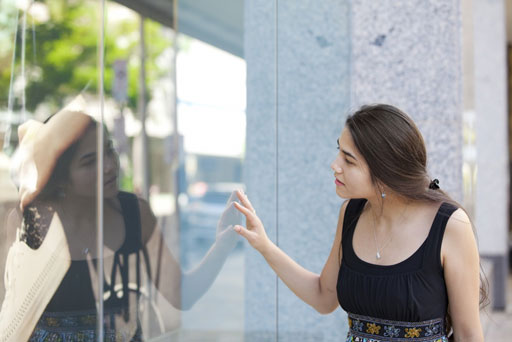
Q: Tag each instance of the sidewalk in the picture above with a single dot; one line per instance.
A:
(498, 325)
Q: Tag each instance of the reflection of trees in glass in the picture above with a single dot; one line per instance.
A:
(65, 56)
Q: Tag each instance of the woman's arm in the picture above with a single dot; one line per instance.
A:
(319, 291)
(461, 265)
(183, 289)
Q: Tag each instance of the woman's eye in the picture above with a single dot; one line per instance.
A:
(347, 161)
(89, 162)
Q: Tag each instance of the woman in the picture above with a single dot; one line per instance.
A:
(404, 256)
(61, 155)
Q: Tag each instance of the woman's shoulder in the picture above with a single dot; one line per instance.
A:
(458, 235)
(458, 225)
(143, 204)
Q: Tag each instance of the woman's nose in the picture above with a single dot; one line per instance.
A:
(336, 167)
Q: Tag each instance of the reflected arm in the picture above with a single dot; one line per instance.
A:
(183, 288)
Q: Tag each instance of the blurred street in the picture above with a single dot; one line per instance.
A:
(497, 325)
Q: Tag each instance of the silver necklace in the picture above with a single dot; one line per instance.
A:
(378, 255)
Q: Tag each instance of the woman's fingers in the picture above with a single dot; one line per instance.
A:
(247, 212)
(242, 231)
(245, 200)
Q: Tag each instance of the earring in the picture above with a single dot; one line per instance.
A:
(383, 195)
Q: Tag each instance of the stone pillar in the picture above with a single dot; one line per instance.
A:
(297, 55)
(313, 90)
(408, 53)
(490, 99)
(260, 169)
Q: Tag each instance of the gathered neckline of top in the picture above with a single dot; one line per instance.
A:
(400, 263)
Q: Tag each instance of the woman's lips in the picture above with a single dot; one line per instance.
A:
(338, 183)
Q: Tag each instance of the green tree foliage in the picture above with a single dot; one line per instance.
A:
(62, 52)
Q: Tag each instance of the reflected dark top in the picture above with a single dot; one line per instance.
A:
(73, 306)
(413, 290)
(75, 292)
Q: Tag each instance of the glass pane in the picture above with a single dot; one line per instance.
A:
(139, 104)
(180, 150)
(48, 105)
(211, 119)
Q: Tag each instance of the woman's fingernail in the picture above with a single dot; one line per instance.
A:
(237, 229)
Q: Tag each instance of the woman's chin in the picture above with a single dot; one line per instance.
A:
(341, 193)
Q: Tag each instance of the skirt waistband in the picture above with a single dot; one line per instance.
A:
(375, 329)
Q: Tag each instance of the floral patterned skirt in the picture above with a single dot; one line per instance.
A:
(77, 327)
(369, 329)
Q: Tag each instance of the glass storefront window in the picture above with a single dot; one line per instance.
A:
(174, 138)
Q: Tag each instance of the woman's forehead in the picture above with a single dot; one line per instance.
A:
(88, 141)
(346, 142)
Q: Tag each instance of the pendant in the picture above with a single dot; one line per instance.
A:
(378, 255)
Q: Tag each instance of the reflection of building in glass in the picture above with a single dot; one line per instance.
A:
(142, 112)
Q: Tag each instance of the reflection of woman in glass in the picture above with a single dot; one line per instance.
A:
(68, 191)
(404, 256)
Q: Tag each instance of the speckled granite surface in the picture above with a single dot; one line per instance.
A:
(298, 91)
(491, 124)
(408, 53)
(260, 169)
(491, 121)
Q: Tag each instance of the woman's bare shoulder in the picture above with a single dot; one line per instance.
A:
(458, 225)
(458, 236)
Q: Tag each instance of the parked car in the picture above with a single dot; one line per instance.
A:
(200, 216)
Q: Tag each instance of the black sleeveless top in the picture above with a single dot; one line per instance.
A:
(75, 292)
(413, 290)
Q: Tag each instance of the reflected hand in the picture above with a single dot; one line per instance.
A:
(255, 232)
(39, 149)
(229, 219)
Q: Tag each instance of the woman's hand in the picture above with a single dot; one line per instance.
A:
(255, 232)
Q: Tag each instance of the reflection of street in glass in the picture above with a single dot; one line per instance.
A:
(61, 158)
(199, 217)
(51, 48)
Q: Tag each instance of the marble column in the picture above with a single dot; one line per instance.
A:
(297, 55)
(261, 166)
(490, 99)
(408, 53)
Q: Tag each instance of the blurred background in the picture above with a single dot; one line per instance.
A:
(205, 97)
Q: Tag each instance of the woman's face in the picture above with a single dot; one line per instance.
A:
(352, 176)
(82, 171)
